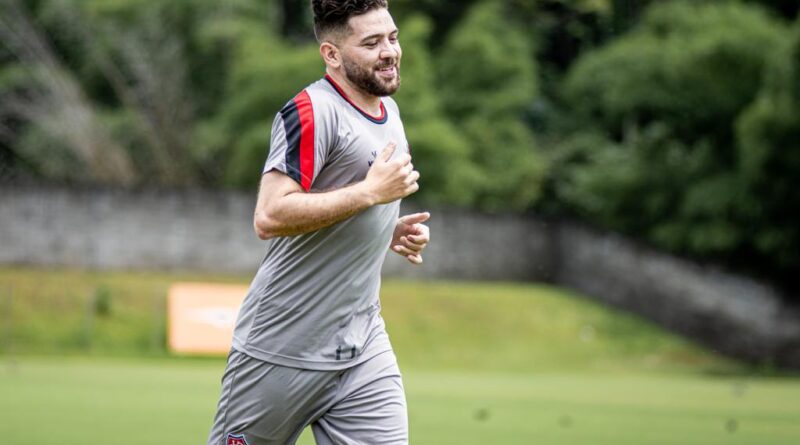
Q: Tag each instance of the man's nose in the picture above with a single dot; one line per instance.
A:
(389, 51)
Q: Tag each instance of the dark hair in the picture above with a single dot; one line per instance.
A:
(331, 16)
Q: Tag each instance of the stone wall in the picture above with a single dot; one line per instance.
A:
(112, 229)
(731, 314)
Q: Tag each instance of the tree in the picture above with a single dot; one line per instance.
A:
(264, 73)
(440, 152)
(486, 80)
(65, 136)
(769, 158)
(653, 151)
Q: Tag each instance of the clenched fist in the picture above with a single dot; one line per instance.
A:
(391, 179)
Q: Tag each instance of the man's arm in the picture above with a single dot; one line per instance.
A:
(285, 209)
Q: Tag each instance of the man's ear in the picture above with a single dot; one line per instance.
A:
(330, 54)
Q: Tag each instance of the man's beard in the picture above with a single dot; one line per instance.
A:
(367, 80)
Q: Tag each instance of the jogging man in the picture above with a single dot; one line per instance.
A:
(310, 346)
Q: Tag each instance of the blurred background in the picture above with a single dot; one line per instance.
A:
(614, 184)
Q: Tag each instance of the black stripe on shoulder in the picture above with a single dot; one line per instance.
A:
(291, 124)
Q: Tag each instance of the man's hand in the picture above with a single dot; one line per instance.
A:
(389, 180)
(411, 236)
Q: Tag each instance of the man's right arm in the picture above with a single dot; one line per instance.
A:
(284, 208)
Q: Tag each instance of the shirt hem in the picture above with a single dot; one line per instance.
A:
(314, 365)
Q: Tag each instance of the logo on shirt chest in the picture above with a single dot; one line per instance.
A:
(374, 155)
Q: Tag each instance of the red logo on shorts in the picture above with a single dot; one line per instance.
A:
(236, 439)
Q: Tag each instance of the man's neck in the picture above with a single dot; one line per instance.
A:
(367, 102)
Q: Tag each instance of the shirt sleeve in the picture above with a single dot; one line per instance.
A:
(299, 144)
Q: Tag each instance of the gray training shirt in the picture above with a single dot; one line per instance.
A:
(313, 303)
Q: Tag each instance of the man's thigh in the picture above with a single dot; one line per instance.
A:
(263, 403)
(369, 408)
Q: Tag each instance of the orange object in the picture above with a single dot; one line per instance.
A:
(201, 316)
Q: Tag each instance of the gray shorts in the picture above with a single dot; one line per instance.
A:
(263, 403)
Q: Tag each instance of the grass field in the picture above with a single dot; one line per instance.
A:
(137, 402)
(503, 327)
(83, 361)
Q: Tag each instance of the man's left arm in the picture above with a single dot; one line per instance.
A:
(411, 236)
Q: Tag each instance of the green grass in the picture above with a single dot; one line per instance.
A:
(497, 327)
(528, 327)
(138, 402)
(45, 311)
(483, 363)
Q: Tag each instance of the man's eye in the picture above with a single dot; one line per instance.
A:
(371, 44)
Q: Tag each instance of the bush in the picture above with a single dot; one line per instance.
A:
(692, 66)
(654, 152)
(769, 156)
(441, 153)
(486, 79)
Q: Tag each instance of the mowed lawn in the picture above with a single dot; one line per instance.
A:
(68, 401)
(483, 363)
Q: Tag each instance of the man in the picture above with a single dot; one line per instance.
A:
(310, 346)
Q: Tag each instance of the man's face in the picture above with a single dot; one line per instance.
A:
(371, 53)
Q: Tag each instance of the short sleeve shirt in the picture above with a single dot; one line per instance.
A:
(314, 302)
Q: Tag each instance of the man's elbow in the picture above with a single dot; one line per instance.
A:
(265, 227)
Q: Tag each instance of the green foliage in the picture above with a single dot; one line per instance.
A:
(617, 184)
(692, 66)
(444, 14)
(769, 153)
(665, 127)
(485, 65)
(265, 73)
(53, 158)
(786, 8)
(486, 79)
(439, 150)
(660, 159)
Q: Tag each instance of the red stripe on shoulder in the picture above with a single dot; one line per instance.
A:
(306, 113)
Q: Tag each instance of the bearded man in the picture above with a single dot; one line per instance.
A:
(310, 346)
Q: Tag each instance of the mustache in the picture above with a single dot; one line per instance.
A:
(386, 65)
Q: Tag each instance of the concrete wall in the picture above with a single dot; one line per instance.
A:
(211, 231)
(731, 314)
(111, 229)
